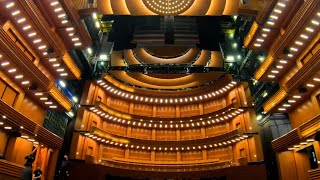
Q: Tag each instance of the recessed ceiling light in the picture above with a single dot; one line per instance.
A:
(5, 63)
(277, 11)
(19, 76)
(310, 85)
(315, 22)
(26, 27)
(9, 5)
(12, 70)
(316, 79)
(7, 127)
(304, 36)
(15, 13)
(21, 20)
(309, 29)
(32, 34)
(25, 82)
(297, 96)
(291, 101)
(61, 15)
(58, 9)
(37, 41)
(271, 76)
(54, 3)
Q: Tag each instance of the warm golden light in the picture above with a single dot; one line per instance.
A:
(168, 7)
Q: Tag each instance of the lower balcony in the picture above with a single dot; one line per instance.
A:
(116, 168)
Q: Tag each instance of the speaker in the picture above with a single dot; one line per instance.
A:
(15, 134)
(244, 2)
(33, 87)
(303, 90)
(317, 136)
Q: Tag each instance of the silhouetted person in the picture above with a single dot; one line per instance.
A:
(27, 171)
(37, 174)
(65, 168)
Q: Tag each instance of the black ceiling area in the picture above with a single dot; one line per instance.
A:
(205, 32)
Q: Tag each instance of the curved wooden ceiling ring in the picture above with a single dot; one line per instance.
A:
(116, 59)
(137, 7)
(147, 58)
(167, 76)
(198, 8)
(119, 7)
(216, 59)
(145, 92)
(216, 8)
(165, 82)
(232, 7)
(123, 76)
(166, 52)
(203, 58)
(104, 7)
(130, 58)
(149, 82)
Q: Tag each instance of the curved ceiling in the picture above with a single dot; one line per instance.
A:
(193, 8)
(147, 58)
(215, 85)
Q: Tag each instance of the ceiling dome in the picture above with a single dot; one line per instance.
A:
(168, 7)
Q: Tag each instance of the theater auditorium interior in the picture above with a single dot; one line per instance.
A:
(159, 89)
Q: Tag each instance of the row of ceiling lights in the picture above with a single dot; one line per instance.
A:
(199, 147)
(13, 71)
(168, 6)
(64, 20)
(295, 98)
(21, 20)
(270, 23)
(219, 118)
(187, 99)
(301, 41)
(301, 144)
(33, 35)
(8, 127)
(20, 78)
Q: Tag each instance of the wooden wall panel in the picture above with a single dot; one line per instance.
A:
(302, 114)
(212, 106)
(141, 133)
(190, 133)
(302, 164)
(142, 109)
(191, 155)
(166, 134)
(139, 155)
(216, 130)
(189, 110)
(220, 153)
(116, 129)
(3, 139)
(165, 156)
(32, 110)
(287, 166)
(19, 148)
(166, 111)
(120, 105)
(109, 152)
